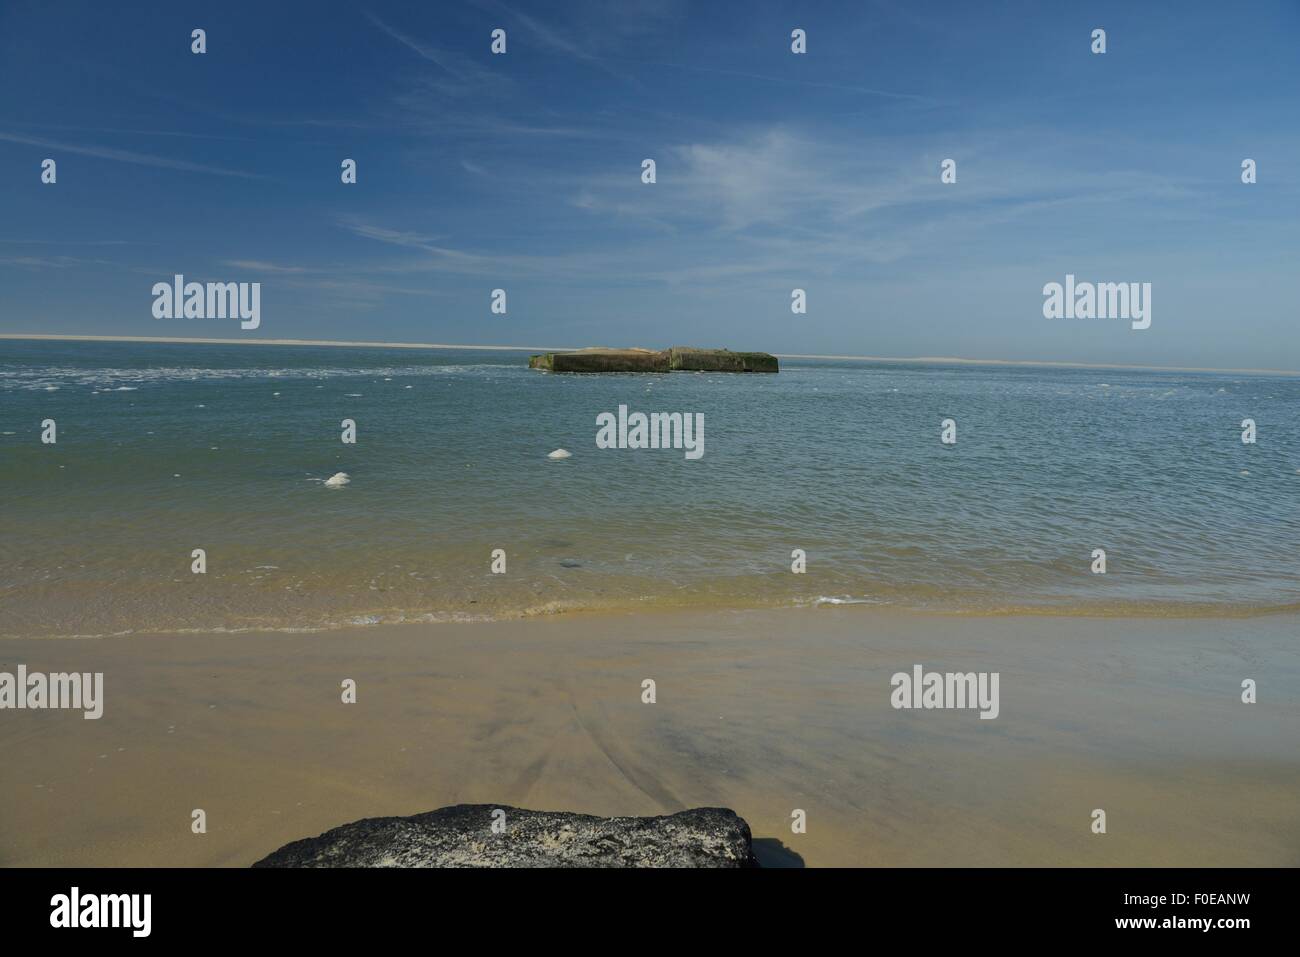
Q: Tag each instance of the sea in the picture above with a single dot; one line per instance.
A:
(824, 485)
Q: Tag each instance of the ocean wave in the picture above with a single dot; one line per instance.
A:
(629, 604)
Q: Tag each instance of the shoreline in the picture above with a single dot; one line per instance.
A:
(760, 711)
(1187, 612)
(917, 360)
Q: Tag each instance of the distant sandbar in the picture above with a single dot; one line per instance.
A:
(921, 360)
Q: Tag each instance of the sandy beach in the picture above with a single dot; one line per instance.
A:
(761, 711)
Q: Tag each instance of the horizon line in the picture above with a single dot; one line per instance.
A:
(340, 343)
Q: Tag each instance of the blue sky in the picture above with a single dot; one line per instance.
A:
(775, 171)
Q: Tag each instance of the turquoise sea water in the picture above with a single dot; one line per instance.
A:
(164, 448)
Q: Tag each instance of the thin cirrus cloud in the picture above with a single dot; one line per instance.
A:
(778, 201)
(51, 262)
(257, 265)
(459, 77)
(126, 156)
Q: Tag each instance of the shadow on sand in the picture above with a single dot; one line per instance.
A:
(772, 853)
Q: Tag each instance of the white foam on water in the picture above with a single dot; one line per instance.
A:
(51, 378)
(833, 600)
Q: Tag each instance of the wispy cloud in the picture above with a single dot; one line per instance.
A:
(126, 156)
(258, 265)
(343, 282)
(394, 237)
(460, 76)
(554, 39)
(590, 25)
(51, 262)
(118, 131)
(915, 98)
(75, 242)
(776, 202)
(428, 52)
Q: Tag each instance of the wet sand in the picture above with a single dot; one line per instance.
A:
(762, 711)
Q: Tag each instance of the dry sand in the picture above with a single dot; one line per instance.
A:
(763, 712)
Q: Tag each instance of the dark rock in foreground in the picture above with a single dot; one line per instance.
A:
(678, 358)
(462, 836)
